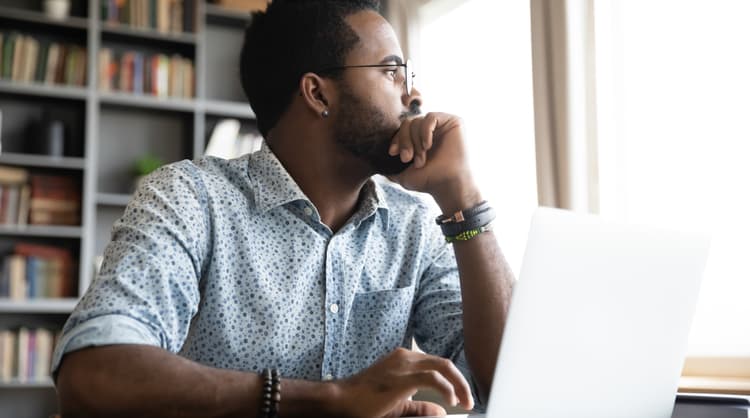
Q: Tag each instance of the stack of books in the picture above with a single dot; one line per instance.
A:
(37, 272)
(38, 199)
(26, 354)
(26, 59)
(154, 74)
(54, 200)
(15, 196)
(161, 15)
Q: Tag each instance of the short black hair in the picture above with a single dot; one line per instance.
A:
(291, 38)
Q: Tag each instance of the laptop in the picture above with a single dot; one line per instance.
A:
(599, 320)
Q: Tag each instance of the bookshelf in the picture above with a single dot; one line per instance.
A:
(106, 131)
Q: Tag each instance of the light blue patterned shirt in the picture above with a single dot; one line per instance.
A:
(227, 263)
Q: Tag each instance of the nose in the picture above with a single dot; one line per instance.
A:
(412, 100)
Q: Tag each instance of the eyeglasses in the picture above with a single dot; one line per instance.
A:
(408, 80)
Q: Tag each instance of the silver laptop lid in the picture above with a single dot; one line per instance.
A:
(599, 320)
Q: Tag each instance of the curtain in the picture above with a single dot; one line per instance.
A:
(564, 105)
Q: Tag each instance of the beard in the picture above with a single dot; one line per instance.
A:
(364, 131)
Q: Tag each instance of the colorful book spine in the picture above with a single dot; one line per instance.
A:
(26, 354)
(26, 59)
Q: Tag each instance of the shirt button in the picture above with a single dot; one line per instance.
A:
(308, 211)
(328, 377)
(335, 308)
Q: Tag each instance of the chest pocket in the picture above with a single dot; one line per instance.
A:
(377, 323)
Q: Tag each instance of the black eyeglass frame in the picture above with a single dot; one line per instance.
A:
(408, 78)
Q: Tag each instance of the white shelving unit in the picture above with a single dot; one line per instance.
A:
(114, 129)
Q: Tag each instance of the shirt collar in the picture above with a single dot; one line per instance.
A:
(275, 187)
(273, 184)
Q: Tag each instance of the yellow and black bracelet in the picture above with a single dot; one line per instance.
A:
(469, 234)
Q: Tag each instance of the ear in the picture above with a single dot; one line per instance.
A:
(316, 92)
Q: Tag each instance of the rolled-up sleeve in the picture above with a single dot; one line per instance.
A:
(147, 290)
(438, 314)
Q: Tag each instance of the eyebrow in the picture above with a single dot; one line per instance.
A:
(392, 58)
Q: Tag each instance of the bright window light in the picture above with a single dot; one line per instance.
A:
(673, 81)
(475, 61)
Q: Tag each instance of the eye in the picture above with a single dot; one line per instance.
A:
(392, 72)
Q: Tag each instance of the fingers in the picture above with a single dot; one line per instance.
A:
(422, 409)
(414, 139)
(460, 387)
(424, 370)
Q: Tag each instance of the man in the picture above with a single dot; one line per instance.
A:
(293, 258)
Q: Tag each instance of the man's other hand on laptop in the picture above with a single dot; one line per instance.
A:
(385, 388)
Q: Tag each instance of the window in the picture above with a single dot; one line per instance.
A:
(673, 83)
(474, 60)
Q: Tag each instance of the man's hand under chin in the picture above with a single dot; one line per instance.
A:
(435, 144)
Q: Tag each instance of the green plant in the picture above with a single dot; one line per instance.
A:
(146, 164)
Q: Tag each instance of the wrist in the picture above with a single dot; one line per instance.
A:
(299, 397)
(457, 195)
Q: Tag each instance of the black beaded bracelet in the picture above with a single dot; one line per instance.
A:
(269, 407)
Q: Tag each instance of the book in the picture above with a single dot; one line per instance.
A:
(188, 80)
(8, 53)
(31, 355)
(53, 56)
(10, 212)
(55, 277)
(55, 205)
(43, 357)
(138, 73)
(22, 349)
(8, 356)
(104, 68)
(17, 273)
(30, 270)
(24, 205)
(13, 175)
(41, 66)
(54, 187)
(18, 50)
(175, 16)
(32, 53)
(46, 217)
(162, 19)
(5, 279)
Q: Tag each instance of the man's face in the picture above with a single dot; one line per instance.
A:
(372, 101)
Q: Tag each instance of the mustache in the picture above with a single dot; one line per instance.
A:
(414, 110)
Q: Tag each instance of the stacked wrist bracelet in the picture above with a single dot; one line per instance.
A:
(467, 223)
(269, 403)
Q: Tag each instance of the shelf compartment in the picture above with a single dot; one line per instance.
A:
(229, 109)
(31, 384)
(39, 18)
(148, 101)
(61, 91)
(42, 306)
(113, 199)
(127, 134)
(122, 32)
(222, 56)
(51, 231)
(33, 160)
